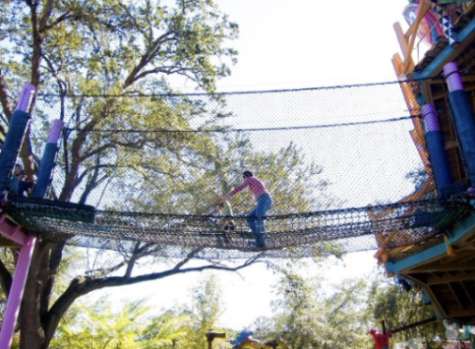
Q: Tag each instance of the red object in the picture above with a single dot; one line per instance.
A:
(381, 340)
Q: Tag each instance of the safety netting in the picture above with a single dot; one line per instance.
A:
(343, 164)
(293, 235)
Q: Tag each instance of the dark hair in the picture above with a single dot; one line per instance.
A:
(247, 174)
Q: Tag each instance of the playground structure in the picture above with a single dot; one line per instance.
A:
(446, 271)
(425, 236)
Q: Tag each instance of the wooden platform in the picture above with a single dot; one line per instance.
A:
(449, 281)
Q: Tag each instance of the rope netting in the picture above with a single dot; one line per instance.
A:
(341, 164)
(293, 235)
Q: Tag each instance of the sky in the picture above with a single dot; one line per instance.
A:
(310, 43)
(293, 44)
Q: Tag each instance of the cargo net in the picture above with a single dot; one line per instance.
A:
(345, 166)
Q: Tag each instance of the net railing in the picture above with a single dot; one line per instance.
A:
(341, 164)
(302, 235)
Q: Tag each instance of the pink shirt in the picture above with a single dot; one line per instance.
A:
(256, 187)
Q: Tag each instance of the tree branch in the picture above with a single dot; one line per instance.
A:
(5, 279)
(4, 98)
(81, 286)
(187, 258)
(47, 10)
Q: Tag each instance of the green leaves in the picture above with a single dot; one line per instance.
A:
(129, 324)
(101, 325)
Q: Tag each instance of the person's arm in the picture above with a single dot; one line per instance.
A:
(235, 190)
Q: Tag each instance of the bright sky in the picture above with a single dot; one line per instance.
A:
(292, 44)
(310, 43)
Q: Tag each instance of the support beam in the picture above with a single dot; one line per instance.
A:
(455, 295)
(16, 293)
(446, 268)
(416, 324)
(12, 231)
(446, 278)
(467, 312)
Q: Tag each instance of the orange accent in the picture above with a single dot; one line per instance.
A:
(411, 34)
(382, 255)
(451, 251)
(398, 64)
(399, 250)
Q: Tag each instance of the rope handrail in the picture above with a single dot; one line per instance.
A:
(344, 230)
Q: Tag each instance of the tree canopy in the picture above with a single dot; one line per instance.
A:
(101, 66)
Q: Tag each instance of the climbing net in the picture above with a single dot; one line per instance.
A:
(342, 163)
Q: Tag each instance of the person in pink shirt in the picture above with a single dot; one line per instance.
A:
(263, 202)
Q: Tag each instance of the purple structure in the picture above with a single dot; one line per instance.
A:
(15, 296)
(452, 77)
(14, 232)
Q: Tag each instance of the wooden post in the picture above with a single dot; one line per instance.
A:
(211, 335)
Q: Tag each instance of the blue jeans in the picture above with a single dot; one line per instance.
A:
(258, 226)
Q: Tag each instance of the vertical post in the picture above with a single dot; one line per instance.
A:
(16, 293)
(49, 160)
(463, 118)
(211, 335)
(11, 149)
(210, 338)
(435, 147)
(405, 48)
(14, 138)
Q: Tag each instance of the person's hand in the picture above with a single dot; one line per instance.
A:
(223, 198)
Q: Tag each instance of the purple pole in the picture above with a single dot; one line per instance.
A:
(55, 131)
(25, 98)
(16, 293)
(430, 117)
(452, 76)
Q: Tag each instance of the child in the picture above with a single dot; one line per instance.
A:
(226, 210)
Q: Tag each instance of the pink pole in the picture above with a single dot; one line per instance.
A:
(452, 76)
(16, 293)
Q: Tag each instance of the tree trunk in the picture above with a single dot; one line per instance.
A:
(33, 313)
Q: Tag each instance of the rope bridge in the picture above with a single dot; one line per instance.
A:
(294, 235)
(342, 164)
